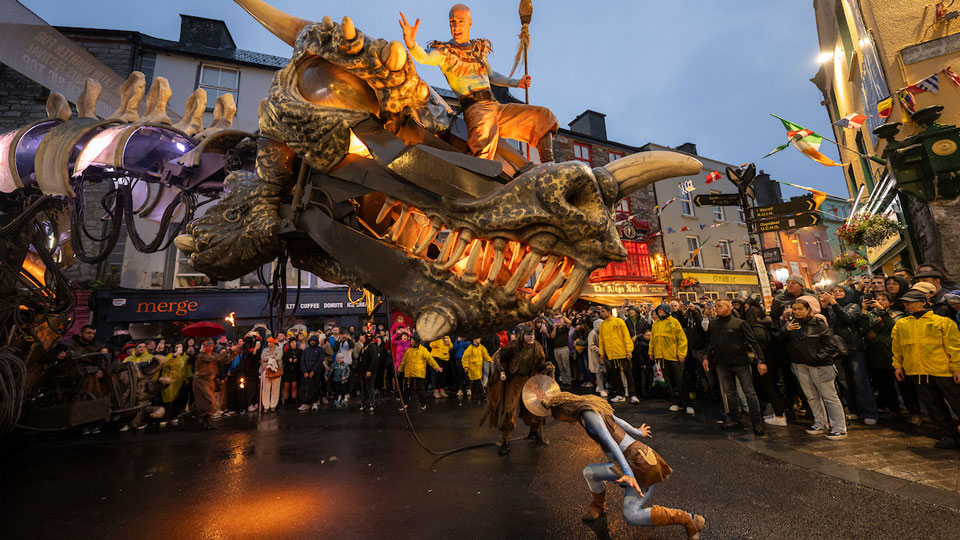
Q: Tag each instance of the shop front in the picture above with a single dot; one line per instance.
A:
(156, 313)
(619, 292)
(694, 285)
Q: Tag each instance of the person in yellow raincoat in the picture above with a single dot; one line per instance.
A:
(668, 347)
(440, 349)
(473, 358)
(616, 346)
(414, 368)
(140, 354)
(926, 348)
(174, 396)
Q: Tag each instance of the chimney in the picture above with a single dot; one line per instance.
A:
(766, 190)
(590, 123)
(687, 147)
(211, 33)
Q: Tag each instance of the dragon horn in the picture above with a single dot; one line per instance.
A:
(280, 24)
(644, 168)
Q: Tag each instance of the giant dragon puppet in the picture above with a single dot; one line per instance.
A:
(359, 173)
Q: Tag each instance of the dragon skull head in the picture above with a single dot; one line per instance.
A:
(459, 263)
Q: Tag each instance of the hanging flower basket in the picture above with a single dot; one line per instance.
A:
(689, 282)
(850, 262)
(868, 230)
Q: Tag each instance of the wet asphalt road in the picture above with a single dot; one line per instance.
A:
(339, 474)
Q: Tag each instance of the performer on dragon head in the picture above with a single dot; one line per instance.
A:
(463, 62)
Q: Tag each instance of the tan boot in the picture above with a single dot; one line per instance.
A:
(597, 507)
(660, 515)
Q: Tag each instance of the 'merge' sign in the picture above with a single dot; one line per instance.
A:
(176, 308)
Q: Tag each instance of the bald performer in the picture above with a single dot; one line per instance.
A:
(463, 62)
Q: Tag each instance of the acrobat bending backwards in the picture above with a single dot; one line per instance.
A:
(634, 465)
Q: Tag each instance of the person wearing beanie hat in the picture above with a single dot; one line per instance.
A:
(926, 349)
(793, 289)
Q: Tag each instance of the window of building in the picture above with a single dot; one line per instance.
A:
(819, 243)
(613, 156)
(776, 237)
(218, 81)
(623, 207)
(718, 211)
(185, 277)
(582, 152)
(733, 295)
(726, 258)
(799, 242)
(686, 204)
(687, 296)
(694, 256)
(712, 295)
(637, 265)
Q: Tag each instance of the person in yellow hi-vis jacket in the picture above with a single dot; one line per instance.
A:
(473, 358)
(668, 347)
(440, 349)
(414, 368)
(616, 346)
(926, 348)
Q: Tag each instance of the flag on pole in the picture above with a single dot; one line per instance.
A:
(807, 142)
(712, 177)
(930, 84)
(818, 196)
(952, 76)
(851, 121)
(885, 107)
(775, 150)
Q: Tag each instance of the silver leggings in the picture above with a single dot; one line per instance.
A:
(634, 512)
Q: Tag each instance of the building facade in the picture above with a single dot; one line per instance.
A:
(643, 278)
(869, 50)
(708, 247)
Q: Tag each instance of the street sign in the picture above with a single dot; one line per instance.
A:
(764, 281)
(771, 255)
(783, 223)
(717, 199)
(805, 204)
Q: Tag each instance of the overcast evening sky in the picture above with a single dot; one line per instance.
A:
(663, 71)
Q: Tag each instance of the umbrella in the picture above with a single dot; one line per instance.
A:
(203, 329)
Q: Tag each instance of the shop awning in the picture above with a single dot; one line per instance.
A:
(615, 293)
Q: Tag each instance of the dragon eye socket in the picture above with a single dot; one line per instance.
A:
(323, 83)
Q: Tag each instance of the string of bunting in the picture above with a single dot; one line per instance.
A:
(908, 105)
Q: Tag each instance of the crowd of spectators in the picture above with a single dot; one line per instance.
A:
(868, 349)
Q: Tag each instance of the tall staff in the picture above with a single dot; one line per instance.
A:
(526, 13)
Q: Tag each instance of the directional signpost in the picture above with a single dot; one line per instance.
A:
(717, 199)
(784, 223)
(805, 204)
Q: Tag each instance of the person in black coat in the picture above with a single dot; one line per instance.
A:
(842, 309)
(732, 350)
(367, 365)
(311, 371)
(768, 336)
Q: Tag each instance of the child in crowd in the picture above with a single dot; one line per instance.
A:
(339, 378)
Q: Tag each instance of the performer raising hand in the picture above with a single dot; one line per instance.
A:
(463, 62)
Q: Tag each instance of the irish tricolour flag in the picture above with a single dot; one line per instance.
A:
(807, 142)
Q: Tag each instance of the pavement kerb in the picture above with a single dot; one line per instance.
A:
(849, 473)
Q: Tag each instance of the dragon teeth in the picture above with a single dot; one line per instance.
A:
(463, 239)
(388, 205)
(526, 267)
(578, 276)
(432, 233)
(549, 267)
